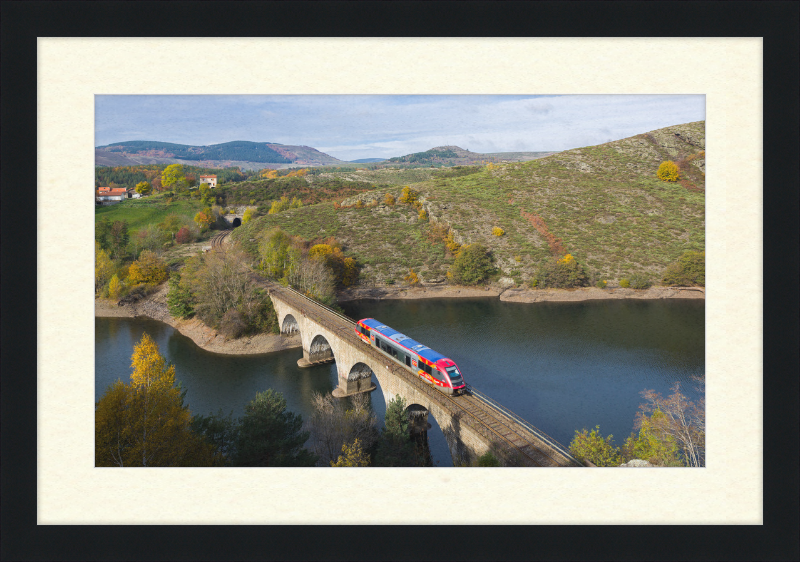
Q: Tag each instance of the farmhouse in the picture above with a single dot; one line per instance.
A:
(210, 180)
(110, 195)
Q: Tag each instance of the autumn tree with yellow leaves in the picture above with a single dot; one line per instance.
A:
(149, 268)
(144, 422)
(668, 171)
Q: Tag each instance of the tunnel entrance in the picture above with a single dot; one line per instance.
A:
(237, 222)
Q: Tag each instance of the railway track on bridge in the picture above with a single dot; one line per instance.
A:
(521, 438)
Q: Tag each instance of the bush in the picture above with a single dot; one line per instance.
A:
(668, 171)
(590, 446)
(423, 215)
(601, 284)
(565, 273)
(389, 199)
(497, 231)
(690, 269)
(249, 214)
(183, 236)
(411, 278)
(409, 196)
(232, 324)
(472, 265)
(180, 301)
(624, 283)
(640, 281)
(488, 459)
(149, 268)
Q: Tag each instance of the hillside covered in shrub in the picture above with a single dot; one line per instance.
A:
(604, 206)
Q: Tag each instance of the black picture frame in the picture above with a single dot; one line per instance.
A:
(776, 539)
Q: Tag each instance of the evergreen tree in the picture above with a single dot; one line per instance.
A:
(270, 436)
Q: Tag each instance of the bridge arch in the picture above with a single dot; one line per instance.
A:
(289, 325)
(320, 349)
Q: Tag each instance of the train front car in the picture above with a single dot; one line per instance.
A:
(431, 366)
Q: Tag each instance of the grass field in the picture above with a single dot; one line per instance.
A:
(147, 210)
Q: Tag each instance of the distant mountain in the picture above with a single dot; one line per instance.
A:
(457, 156)
(245, 154)
(367, 160)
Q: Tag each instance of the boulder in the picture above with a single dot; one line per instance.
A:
(636, 463)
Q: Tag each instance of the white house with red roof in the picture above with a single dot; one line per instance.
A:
(110, 195)
(210, 180)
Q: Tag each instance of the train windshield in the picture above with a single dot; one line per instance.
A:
(455, 376)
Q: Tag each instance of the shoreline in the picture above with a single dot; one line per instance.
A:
(155, 307)
(205, 337)
(521, 295)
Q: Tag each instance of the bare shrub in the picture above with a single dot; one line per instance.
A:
(336, 422)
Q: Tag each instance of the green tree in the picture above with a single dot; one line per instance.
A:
(143, 188)
(102, 233)
(651, 444)
(145, 422)
(472, 265)
(590, 446)
(103, 267)
(118, 239)
(220, 432)
(205, 193)
(171, 224)
(270, 436)
(564, 273)
(172, 177)
(689, 270)
(395, 447)
(180, 300)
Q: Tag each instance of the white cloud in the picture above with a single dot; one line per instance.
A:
(360, 126)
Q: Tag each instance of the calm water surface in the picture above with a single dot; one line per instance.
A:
(561, 366)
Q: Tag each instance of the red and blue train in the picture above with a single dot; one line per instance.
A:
(431, 366)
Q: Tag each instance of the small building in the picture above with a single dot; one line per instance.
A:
(110, 195)
(210, 180)
(133, 194)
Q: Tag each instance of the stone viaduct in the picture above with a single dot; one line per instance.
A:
(470, 426)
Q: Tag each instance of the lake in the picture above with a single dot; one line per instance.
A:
(561, 366)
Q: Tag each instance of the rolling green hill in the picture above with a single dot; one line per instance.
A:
(457, 156)
(245, 154)
(603, 204)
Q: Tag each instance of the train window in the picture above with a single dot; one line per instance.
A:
(408, 360)
(455, 376)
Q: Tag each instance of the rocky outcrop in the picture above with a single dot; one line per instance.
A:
(636, 463)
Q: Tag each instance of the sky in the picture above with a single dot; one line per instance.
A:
(351, 127)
